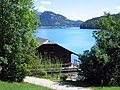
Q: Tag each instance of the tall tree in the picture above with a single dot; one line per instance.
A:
(103, 61)
(108, 40)
(18, 21)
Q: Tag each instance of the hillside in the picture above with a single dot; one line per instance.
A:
(50, 19)
(93, 23)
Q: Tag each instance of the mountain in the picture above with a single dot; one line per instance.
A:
(50, 19)
(39, 13)
(93, 23)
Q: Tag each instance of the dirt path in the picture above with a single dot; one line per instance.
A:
(51, 84)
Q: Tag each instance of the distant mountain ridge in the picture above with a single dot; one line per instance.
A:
(93, 23)
(50, 19)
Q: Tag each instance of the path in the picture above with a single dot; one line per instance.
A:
(51, 84)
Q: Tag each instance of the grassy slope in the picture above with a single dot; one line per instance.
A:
(106, 88)
(20, 86)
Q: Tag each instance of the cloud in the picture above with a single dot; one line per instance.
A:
(106, 9)
(45, 2)
(118, 7)
(42, 9)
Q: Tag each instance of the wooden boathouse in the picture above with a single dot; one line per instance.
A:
(54, 50)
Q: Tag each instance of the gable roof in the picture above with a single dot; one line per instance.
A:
(43, 41)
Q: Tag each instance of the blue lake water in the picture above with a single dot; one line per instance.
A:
(74, 39)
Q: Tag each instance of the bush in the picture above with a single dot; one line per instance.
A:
(101, 65)
(39, 73)
(63, 77)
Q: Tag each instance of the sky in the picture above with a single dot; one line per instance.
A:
(78, 9)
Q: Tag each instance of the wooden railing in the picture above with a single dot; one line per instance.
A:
(56, 68)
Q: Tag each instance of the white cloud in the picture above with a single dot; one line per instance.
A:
(42, 9)
(45, 2)
(101, 11)
(106, 9)
(118, 7)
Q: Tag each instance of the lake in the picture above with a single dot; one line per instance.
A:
(74, 39)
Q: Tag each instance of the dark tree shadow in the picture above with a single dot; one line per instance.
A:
(70, 83)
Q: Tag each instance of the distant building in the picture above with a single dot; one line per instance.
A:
(54, 50)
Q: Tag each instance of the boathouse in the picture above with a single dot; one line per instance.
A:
(54, 50)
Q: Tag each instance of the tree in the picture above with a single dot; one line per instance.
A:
(103, 61)
(93, 23)
(18, 21)
(93, 63)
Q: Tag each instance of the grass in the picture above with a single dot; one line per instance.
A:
(52, 78)
(55, 78)
(20, 86)
(106, 88)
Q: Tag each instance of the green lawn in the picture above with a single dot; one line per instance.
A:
(20, 86)
(106, 88)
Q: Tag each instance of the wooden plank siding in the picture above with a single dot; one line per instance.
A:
(54, 51)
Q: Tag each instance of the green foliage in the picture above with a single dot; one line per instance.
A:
(90, 24)
(101, 65)
(63, 77)
(94, 22)
(45, 67)
(49, 64)
(18, 22)
(92, 65)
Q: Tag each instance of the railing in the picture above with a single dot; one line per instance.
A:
(66, 67)
(59, 69)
